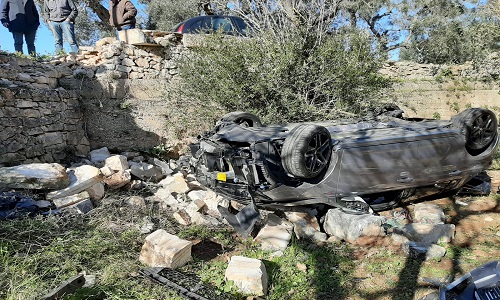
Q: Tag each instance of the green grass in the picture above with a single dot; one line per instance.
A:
(38, 254)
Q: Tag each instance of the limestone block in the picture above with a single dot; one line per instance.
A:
(423, 250)
(275, 237)
(116, 163)
(350, 227)
(306, 226)
(428, 214)
(248, 274)
(81, 178)
(96, 192)
(81, 207)
(34, 176)
(118, 179)
(132, 36)
(197, 195)
(99, 155)
(162, 249)
(166, 199)
(70, 200)
(428, 233)
(197, 206)
(106, 171)
(176, 184)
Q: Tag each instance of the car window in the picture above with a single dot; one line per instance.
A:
(241, 25)
(222, 24)
(196, 27)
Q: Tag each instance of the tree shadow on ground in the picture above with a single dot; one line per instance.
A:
(408, 283)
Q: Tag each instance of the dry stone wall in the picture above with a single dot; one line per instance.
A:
(440, 91)
(40, 125)
(112, 95)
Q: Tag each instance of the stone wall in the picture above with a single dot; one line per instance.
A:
(40, 125)
(112, 95)
(429, 91)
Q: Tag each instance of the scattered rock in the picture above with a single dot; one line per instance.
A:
(81, 207)
(428, 214)
(248, 274)
(275, 237)
(423, 250)
(350, 227)
(428, 233)
(34, 176)
(81, 178)
(70, 200)
(98, 156)
(163, 249)
(116, 163)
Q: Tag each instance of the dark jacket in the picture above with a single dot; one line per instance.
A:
(20, 19)
(59, 10)
(121, 13)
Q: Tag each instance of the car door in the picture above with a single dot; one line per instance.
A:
(394, 159)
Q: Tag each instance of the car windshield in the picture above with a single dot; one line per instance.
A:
(220, 24)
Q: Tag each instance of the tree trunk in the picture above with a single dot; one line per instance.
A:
(101, 11)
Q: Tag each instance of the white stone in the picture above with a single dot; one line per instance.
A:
(81, 207)
(34, 176)
(96, 192)
(162, 249)
(428, 233)
(81, 178)
(99, 155)
(176, 184)
(350, 227)
(428, 213)
(70, 200)
(275, 237)
(117, 163)
(248, 274)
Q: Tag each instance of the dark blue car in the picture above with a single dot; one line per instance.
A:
(230, 25)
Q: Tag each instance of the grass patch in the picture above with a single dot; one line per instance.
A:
(40, 253)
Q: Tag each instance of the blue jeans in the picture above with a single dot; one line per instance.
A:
(29, 36)
(126, 27)
(66, 29)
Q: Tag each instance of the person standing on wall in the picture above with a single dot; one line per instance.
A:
(122, 14)
(60, 15)
(22, 19)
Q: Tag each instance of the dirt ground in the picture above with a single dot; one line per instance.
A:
(384, 274)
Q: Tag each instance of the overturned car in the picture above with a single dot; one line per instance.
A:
(356, 166)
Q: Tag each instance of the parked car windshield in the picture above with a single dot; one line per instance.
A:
(206, 24)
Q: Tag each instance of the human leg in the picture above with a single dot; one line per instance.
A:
(69, 33)
(126, 27)
(18, 41)
(57, 32)
(30, 36)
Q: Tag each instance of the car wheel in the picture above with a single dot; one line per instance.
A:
(307, 151)
(479, 127)
(242, 118)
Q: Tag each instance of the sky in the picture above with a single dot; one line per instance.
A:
(44, 42)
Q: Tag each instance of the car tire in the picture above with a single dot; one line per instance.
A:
(307, 151)
(479, 127)
(242, 118)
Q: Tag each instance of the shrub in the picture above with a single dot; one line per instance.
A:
(279, 79)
